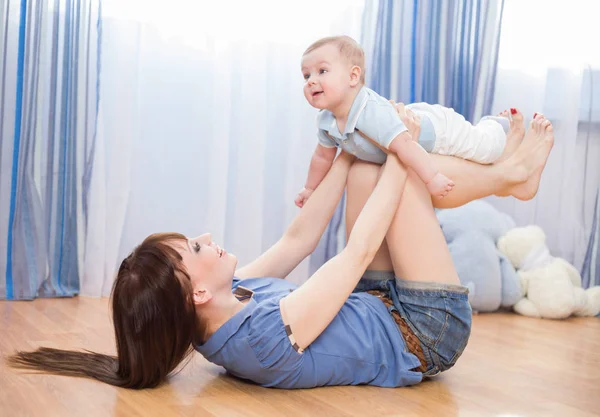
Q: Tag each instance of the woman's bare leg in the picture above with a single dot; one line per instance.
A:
(415, 239)
(517, 174)
(472, 181)
(362, 179)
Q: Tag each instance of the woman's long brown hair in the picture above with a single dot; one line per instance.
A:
(153, 317)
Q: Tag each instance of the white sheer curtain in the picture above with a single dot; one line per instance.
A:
(550, 62)
(203, 125)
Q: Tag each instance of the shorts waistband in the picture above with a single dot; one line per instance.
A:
(375, 280)
(372, 275)
(431, 286)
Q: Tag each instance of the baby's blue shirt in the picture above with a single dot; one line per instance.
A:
(376, 118)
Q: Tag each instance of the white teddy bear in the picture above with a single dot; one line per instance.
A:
(551, 286)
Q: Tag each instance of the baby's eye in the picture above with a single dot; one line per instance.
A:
(306, 76)
(322, 71)
(196, 247)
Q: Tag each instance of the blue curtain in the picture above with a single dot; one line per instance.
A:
(432, 51)
(590, 273)
(49, 84)
(590, 270)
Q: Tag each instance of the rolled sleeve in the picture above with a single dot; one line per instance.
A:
(269, 341)
(380, 122)
(325, 140)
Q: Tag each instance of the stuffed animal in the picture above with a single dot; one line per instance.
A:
(472, 232)
(551, 286)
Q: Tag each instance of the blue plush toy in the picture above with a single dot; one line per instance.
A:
(472, 232)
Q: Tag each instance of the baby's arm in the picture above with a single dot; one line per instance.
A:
(320, 164)
(415, 157)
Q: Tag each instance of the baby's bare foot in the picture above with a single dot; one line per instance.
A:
(515, 133)
(440, 185)
(526, 164)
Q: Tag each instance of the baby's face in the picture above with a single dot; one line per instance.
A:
(327, 77)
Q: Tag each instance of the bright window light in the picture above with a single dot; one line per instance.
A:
(538, 34)
(195, 21)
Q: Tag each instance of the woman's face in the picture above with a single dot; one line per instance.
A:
(209, 266)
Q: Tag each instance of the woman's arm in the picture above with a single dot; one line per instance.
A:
(310, 308)
(303, 234)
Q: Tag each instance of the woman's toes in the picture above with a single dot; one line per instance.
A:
(533, 124)
(536, 123)
(516, 114)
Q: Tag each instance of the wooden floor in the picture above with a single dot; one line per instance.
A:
(513, 366)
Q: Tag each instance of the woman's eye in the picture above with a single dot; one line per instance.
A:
(196, 247)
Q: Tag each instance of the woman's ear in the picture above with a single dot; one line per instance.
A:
(355, 73)
(202, 296)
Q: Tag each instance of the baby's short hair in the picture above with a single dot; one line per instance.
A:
(349, 49)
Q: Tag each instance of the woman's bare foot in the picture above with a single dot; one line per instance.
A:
(525, 166)
(515, 133)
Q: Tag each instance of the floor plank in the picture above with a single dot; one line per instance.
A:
(513, 366)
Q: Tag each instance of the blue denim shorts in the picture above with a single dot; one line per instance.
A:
(438, 314)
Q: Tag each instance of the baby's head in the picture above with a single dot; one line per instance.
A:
(332, 68)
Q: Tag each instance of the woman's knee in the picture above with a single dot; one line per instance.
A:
(363, 176)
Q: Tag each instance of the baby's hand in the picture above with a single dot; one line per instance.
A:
(440, 186)
(303, 196)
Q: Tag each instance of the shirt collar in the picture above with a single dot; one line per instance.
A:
(327, 120)
(226, 331)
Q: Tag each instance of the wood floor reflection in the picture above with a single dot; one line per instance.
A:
(513, 366)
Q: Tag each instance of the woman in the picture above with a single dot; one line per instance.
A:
(173, 293)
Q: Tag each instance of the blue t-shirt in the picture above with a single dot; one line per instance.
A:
(377, 119)
(362, 345)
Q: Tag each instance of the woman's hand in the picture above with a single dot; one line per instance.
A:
(409, 118)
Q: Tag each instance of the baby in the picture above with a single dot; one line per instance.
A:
(361, 122)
